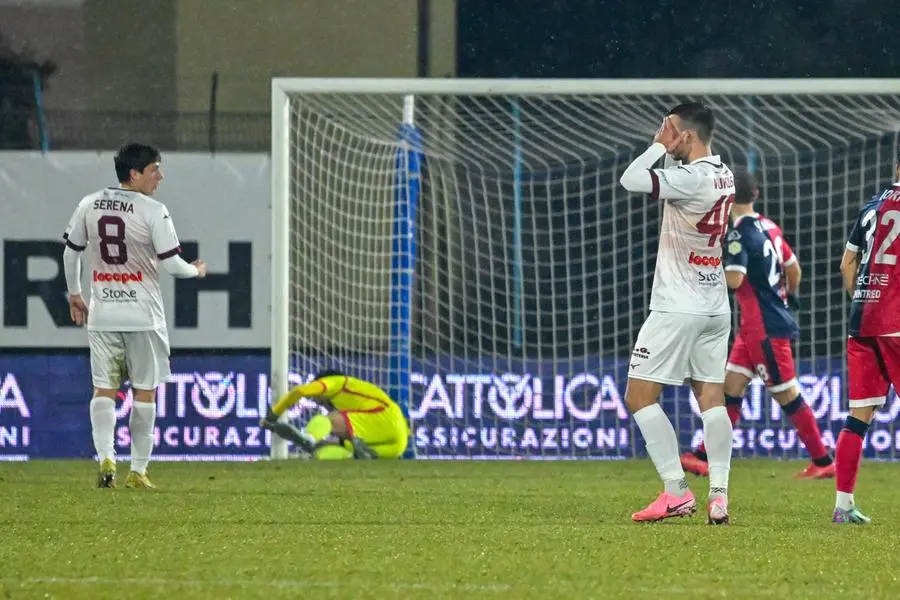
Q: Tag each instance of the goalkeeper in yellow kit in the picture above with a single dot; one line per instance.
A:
(367, 423)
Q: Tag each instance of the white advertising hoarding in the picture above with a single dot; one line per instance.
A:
(221, 208)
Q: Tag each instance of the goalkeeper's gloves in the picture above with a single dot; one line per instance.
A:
(269, 421)
(793, 302)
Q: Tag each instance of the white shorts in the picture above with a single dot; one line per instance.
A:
(141, 357)
(674, 347)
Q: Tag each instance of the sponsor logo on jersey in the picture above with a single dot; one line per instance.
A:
(704, 261)
(120, 295)
(873, 279)
(709, 278)
(126, 277)
(866, 295)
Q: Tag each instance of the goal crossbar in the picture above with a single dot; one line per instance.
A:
(332, 142)
(555, 87)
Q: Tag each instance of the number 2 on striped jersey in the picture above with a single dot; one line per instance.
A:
(870, 223)
(715, 222)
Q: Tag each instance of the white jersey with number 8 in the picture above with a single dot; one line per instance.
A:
(124, 234)
(689, 276)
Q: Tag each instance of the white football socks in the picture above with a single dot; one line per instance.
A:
(662, 446)
(143, 418)
(844, 501)
(103, 425)
(718, 436)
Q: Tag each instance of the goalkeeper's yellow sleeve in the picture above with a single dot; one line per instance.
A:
(316, 388)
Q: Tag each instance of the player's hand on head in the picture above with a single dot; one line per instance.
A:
(78, 310)
(661, 133)
(669, 136)
(201, 268)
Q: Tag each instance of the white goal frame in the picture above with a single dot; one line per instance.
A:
(283, 89)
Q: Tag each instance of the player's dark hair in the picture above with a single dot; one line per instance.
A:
(698, 117)
(329, 373)
(134, 156)
(744, 186)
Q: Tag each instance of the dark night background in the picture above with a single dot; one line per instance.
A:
(572, 251)
(577, 263)
(665, 38)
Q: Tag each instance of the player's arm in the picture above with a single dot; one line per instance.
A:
(76, 241)
(849, 269)
(792, 275)
(790, 265)
(640, 177)
(735, 259)
(734, 279)
(851, 258)
(671, 183)
(72, 268)
(318, 390)
(168, 248)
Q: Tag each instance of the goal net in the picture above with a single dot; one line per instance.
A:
(466, 245)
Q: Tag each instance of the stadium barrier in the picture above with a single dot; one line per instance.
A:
(210, 407)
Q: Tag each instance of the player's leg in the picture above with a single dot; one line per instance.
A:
(365, 429)
(107, 351)
(391, 450)
(738, 373)
(659, 358)
(338, 451)
(735, 388)
(311, 439)
(793, 404)
(147, 356)
(868, 385)
(776, 368)
(708, 357)
(369, 435)
(384, 434)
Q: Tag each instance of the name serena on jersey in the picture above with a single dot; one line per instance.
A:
(112, 204)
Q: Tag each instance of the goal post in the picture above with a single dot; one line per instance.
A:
(465, 244)
(281, 230)
(405, 194)
(407, 187)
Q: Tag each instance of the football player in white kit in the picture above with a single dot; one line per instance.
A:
(685, 336)
(126, 235)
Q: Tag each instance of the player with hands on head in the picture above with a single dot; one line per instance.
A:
(685, 336)
(871, 275)
(764, 272)
(363, 418)
(126, 235)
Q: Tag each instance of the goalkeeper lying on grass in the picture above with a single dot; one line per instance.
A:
(364, 419)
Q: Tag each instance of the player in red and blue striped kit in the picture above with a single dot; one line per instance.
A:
(870, 273)
(764, 272)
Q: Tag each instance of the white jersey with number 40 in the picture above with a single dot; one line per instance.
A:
(689, 276)
(124, 234)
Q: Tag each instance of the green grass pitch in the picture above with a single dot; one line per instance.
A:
(375, 530)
